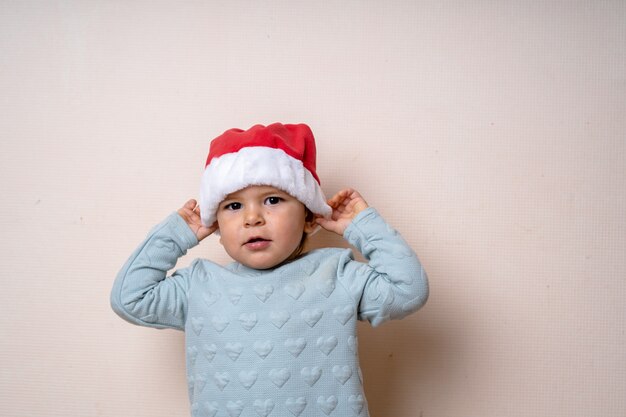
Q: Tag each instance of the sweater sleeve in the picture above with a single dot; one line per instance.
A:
(141, 293)
(393, 283)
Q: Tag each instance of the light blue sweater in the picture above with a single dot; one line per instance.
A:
(279, 342)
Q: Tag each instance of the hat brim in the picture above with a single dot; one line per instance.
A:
(258, 165)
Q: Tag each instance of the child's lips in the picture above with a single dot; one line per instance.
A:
(257, 243)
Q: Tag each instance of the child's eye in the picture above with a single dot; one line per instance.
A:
(232, 206)
(273, 200)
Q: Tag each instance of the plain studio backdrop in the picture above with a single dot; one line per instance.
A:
(490, 133)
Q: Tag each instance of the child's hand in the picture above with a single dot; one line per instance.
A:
(346, 204)
(190, 212)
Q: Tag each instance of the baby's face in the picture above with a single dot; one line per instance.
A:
(261, 226)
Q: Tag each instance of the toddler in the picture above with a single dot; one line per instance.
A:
(274, 332)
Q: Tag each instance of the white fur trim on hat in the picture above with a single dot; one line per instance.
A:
(258, 165)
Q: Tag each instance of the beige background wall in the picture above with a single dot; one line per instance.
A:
(491, 133)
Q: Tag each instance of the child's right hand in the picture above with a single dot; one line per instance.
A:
(190, 212)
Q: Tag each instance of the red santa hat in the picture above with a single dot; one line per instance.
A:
(281, 156)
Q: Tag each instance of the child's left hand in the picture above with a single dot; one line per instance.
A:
(346, 204)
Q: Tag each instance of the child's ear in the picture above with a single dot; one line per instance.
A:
(310, 224)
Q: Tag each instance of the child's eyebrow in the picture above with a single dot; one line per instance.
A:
(274, 192)
(262, 195)
(227, 201)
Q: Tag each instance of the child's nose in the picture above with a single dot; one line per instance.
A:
(253, 216)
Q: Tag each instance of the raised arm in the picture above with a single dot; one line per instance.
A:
(393, 283)
(142, 294)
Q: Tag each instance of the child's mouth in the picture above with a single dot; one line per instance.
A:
(257, 243)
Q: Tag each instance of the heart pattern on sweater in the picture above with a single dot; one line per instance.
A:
(353, 344)
(311, 375)
(210, 408)
(295, 346)
(199, 383)
(197, 323)
(263, 292)
(234, 295)
(279, 318)
(327, 405)
(327, 344)
(263, 408)
(263, 348)
(210, 297)
(294, 289)
(307, 267)
(220, 323)
(248, 321)
(296, 405)
(312, 316)
(279, 376)
(326, 288)
(248, 378)
(233, 350)
(234, 408)
(342, 373)
(343, 314)
(221, 379)
(209, 351)
(356, 403)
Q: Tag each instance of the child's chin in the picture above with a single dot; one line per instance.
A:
(259, 267)
(262, 264)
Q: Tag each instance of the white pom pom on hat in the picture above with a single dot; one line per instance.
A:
(278, 155)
